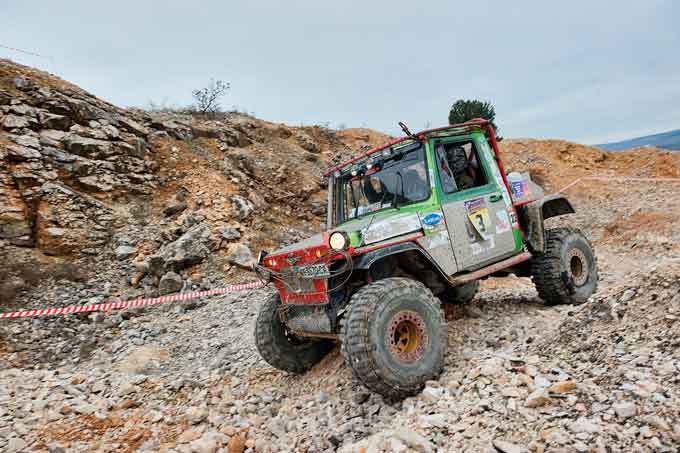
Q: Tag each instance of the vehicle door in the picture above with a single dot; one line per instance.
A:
(475, 203)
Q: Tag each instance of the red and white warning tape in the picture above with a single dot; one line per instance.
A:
(232, 288)
(129, 303)
(616, 178)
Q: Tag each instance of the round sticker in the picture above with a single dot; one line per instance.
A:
(432, 219)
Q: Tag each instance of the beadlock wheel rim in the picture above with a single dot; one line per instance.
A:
(407, 336)
(578, 266)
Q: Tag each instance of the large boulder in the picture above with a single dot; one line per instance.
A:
(190, 248)
(171, 282)
(241, 255)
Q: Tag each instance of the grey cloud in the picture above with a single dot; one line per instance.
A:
(580, 70)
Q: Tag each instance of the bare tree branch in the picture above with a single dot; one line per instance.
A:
(208, 98)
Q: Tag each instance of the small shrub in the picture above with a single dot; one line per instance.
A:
(208, 98)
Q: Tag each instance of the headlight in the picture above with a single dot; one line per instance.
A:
(338, 241)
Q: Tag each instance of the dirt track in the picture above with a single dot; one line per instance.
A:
(189, 378)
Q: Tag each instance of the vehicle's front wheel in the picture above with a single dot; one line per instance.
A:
(280, 348)
(394, 336)
(567, 272)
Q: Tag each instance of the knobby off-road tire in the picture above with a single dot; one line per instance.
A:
(380, 316)
(462, 294)
(281, 349)
(567, 272)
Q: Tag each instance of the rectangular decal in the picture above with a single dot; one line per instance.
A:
(478, 214)
(513, 220)
(392, 226)
(519, 189)
(477, 248)
(436, 240)
(502, 222)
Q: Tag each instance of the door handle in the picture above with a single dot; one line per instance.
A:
(494, 198)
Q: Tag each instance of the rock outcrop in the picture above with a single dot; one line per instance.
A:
(76, 173)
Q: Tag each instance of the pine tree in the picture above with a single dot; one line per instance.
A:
(466, 109)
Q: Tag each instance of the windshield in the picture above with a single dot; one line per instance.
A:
(394, 181)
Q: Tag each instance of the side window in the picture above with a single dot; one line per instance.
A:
(459, 167)
(445, 173)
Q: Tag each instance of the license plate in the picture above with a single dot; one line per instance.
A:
(312, 271)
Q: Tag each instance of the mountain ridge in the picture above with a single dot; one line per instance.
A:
(666, 140)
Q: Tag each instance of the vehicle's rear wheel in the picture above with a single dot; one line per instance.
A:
(280, 348)
(394, 336)
(567, 272)
(461, 294)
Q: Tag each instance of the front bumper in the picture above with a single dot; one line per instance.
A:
(293, 288)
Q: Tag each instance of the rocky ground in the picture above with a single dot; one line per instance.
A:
(100, 203)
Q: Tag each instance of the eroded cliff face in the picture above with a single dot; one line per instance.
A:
(83, 181)
(60, 150)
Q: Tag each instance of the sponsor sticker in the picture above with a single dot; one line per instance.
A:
(519, 188)
(477, 248)
(502, 222)
(478, 214)
(432, 219)
(438, 239)
(513, 220)
(390, 227)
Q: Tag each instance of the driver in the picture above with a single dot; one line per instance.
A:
(460, 165)
(373, 195)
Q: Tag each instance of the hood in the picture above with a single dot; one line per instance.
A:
(313, 241)
(364, 231)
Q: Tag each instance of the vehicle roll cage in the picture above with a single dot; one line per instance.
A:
(456, 129)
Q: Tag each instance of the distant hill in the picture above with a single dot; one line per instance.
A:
(666, 140)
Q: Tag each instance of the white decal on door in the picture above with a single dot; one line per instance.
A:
(502, 222)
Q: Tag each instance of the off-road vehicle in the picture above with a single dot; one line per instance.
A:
(412, 224)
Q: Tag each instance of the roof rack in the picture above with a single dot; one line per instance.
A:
(477, 122)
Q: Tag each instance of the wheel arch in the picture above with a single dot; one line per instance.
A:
(556, 205)
(408, 256)
(533, 215)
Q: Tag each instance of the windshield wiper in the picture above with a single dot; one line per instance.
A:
(354, 200)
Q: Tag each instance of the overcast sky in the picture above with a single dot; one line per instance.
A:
(588, 71)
